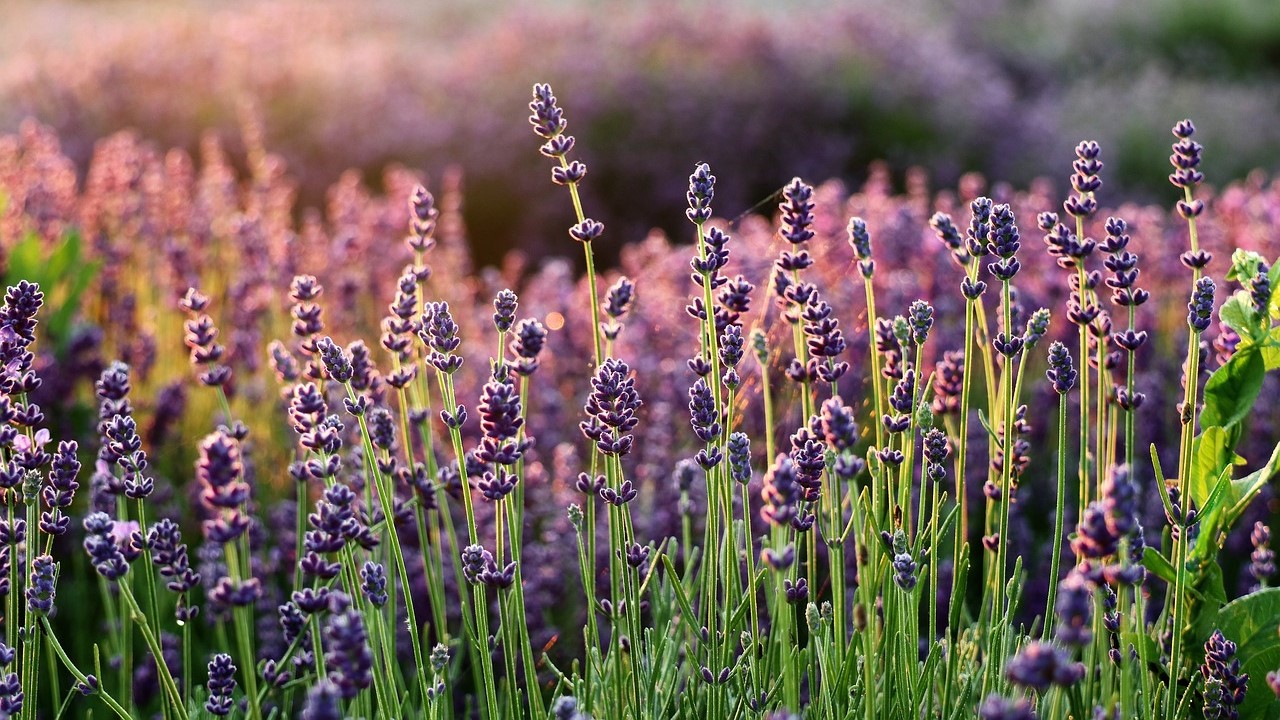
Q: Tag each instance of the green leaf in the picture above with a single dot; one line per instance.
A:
(1251, 622)
(1244, 489)
(1237, 313)
(1156, 563)
(1244, 265)
(1212, 455)
(1232, 389)
(1213, 595)
(25, 261)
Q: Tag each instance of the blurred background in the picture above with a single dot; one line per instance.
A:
(762, 91)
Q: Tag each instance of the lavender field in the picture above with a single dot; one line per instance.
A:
(898, 402)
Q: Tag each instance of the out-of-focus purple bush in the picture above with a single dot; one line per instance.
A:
(160, 222)
(760, 94)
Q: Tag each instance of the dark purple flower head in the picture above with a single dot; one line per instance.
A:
(193, 301)
(60, 492)
(948, 383)
(611, 408)
(619, 298)
(500, 421)
(169, 555)
(1200, 308)
(1061, 371)
(1260, 290)
(422, 219)
(104, 552)
(1224, 683)
(839, 427)
(1120, 498)
(337, 362)
(324, 702)
(936, 447)
(221, 472)
(373, 583)
(42, 587)
(702, 188)
(11, 695)
(781, 492)
(975, 241)
(1040, 665)
(347, 653)
(440, 333)
(704, 414)
(547, 118)
(732, 346)
(1074, 609)
(21, 303)
(530, 337)
(222, 683)
(1186, 157)
(797, 212)
(740, 458)
(945, 228)
(859, 238)
(504, 310)
(996, 707)
(921, 318)
(1262, 563)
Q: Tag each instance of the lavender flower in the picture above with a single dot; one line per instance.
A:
(999, 708)
(702, 188)
(222, 683)
(1085, 180)
(323, 702)
(740, 458)
(1224, 684)
(373, 578)
(704, 415)
(11, 695)
(1039, 665)
(100, 543)
(42, 588)
(781, 492)
(1262, 563)
(611, 408)
(223, 490)
(1075, 611)
(904, 569)
(860, 241)
(504, 310)
(440, 333)
(797, 212)
(618, 301)
(1260, 290)
(1200, 308)
(1004, 243)
(347, 653)
(1061, 372)
(60, 492)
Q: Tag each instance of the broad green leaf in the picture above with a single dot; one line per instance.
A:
(1153, 561)
(1232, 389)
(1244, 489)
(1209, 588)
(1212, 455)
(1237, 313)
(1251, 622)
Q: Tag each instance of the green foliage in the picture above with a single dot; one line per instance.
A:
(1253, 623)
(62, 273)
